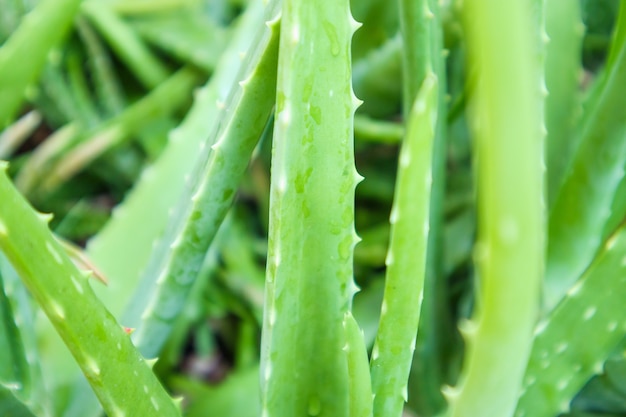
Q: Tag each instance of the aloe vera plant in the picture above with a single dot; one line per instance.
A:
(483, 172)
(65, 296)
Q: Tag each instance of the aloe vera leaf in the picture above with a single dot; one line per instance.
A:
(146, 7)
(358, 371)
(379, 19)
(16, 134)
(123, 381)
(106, 83)
(562, 358)
(13, 364)
(309, 281)
(420, 24)
(11, 405)
(225, 399)
(378, 131)
(122, 257)
(599, 396)
(509, 252)
(12, 12)
(24, 54)
(57, 161)
(53, 95)
(375, 79)
(201, 213)
(188, 35)
(563, 103)
(167, 97)
(126, 44)
(55, 144)
(32, 390)
(406, 258)
(582, 205)
(80, 90)
(245, 278)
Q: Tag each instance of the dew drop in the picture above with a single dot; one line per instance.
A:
(332, 37)
(345, 247)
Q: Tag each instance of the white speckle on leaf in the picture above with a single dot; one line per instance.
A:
(561, 347)
(412, 344)
(92, 366)
(383, 308)
(393, 217)
(509, 229)
(541, 326)
(597, 368)
(389, 258)
(589, 312)
(272, 315)
(282, 184)
(77, 285)
(154, 402)
(575, 288)
(611, 326)
(285, 116)
(405, 159)
(428, 14)
(610, 244)
(420, 106)
(268, 371)
(375, 353)
(277, 257)
(57, 310)
(163, 275)
(54, 253)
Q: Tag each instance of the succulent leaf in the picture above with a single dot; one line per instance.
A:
(118, 374)
(309, 284)
(509, 252)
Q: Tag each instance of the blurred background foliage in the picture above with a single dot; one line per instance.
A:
(123, 78)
